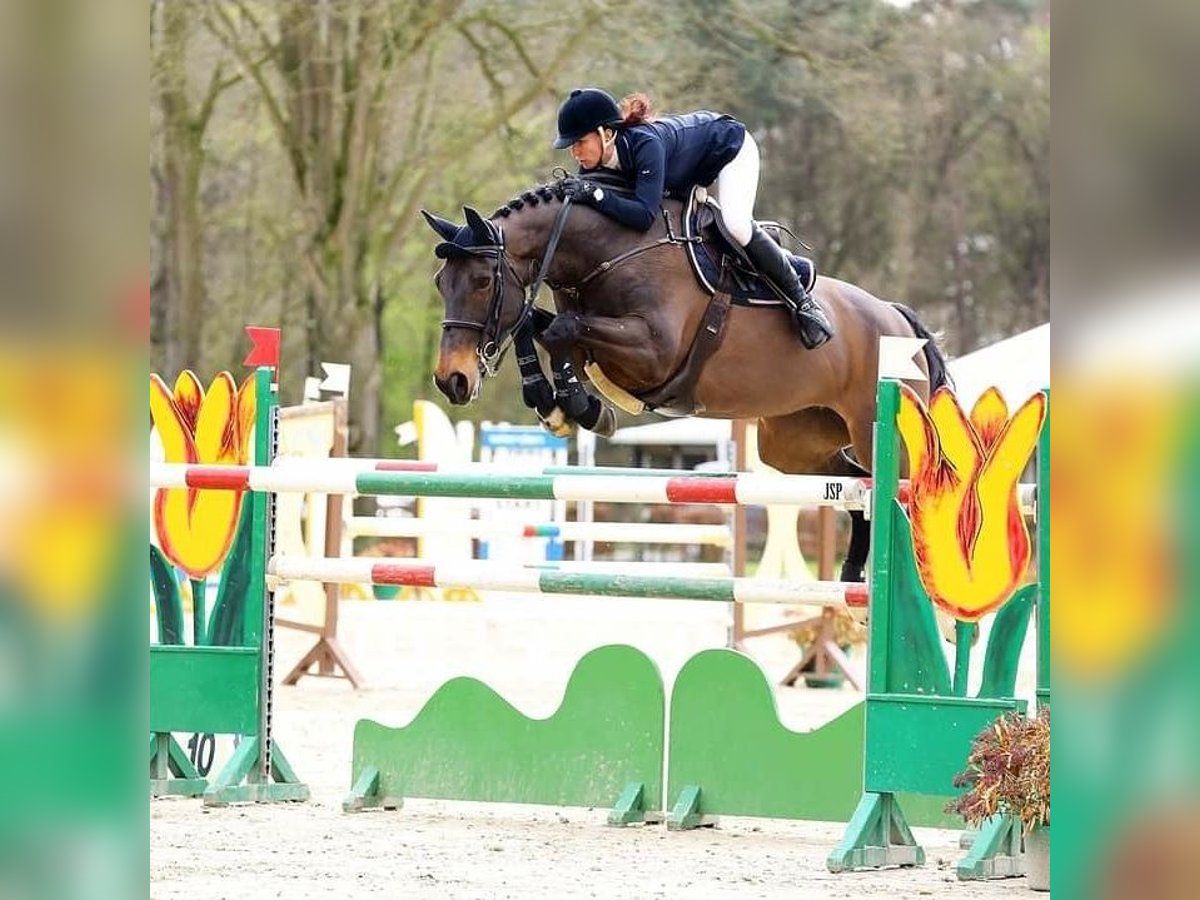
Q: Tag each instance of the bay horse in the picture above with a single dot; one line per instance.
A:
(631, 303)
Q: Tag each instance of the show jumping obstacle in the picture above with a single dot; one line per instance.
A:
(727, 752)
(227, 690)
(349, 477)
(615, 532)
(532, 532)
(532, 579)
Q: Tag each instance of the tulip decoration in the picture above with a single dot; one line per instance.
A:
(970, 541)
(196, 527)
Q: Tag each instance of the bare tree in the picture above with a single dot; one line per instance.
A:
(355, 93)
(178, 289)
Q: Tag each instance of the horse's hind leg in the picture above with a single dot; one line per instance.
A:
(813, 442)
(855, 564)
(804, 442)
(857, 465)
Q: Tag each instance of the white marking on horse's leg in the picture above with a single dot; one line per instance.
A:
(558, 424)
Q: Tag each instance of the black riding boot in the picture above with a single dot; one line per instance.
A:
(772, 261)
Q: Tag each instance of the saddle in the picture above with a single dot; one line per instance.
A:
(712, 250)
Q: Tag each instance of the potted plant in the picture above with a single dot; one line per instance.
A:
(1008, 773)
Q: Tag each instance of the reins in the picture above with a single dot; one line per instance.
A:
(494, 340)
(607, 265)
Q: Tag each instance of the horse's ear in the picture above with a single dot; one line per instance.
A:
(476, 223)
(444, 227)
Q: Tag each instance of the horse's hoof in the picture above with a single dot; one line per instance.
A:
(852, 574)
(558, 424)
(606, 425)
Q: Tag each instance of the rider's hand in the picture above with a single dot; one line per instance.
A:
(582, 191)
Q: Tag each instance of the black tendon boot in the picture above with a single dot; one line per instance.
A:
(578, 405)
(772, 261)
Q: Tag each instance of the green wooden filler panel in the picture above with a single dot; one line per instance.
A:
(206, 690)
(730, 755)
(602, 747)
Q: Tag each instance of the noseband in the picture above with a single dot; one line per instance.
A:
(494, 339)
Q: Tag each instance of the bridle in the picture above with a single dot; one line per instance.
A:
(494, 339)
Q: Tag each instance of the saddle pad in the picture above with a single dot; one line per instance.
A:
(746, 289)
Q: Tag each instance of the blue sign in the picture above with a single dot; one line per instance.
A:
(519, 437)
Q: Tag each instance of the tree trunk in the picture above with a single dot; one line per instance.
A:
(346, 331)
(179, 294)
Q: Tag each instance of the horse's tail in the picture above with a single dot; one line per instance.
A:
(939, 367)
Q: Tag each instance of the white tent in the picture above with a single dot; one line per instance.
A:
(1019, 366)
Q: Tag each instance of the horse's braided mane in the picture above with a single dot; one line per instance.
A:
(542, 193)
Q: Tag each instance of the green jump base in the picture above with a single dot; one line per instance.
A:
(998, 851)
(877, 836)
(242, 782)
(172, 773)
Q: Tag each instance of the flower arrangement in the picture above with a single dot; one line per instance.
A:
(1008, 772)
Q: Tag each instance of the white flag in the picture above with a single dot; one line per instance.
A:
(896, 358)
(337, 378)
(406, 433)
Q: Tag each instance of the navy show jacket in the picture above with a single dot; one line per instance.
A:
(669, 155)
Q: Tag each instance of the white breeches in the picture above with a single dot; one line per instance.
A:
(736, 187)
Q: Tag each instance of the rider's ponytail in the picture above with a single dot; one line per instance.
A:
(636, 109)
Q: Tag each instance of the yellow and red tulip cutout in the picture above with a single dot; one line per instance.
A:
(970, 540)
(196, 527)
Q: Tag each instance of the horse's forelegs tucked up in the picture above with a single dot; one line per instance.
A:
(569, 394)
(576, 403)
(535, 389)
(536, 392)
(631, 352)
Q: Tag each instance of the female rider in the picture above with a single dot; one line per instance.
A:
(673, 153)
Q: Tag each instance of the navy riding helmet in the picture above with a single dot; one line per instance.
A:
(586, 110)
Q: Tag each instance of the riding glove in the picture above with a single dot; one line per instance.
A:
(582, 191)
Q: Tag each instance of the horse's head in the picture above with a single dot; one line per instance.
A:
(483, 299)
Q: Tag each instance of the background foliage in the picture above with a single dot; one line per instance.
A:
(294, 142)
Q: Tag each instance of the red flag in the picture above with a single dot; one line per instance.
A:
(264, 349)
